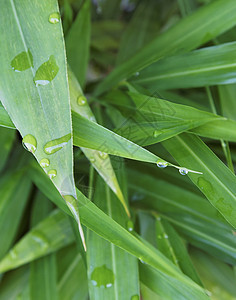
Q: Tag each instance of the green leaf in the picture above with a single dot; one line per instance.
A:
(150, 120)
(34, 87)
(100, 160)
(103, 225)
(218, 277)
(78, 42)
(14, 283)
(218, 183)
(190, 213)
(14, 186)
(188, 34)
(7, 137)
(112, 273)
(51, 234)
(43, 276)
(204, 67)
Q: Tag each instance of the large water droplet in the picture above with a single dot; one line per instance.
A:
(156, 133)
(135, 297)
(40, 238)
(102, 277)
(57, 144)
(52, 174)
(44, 163)
(54, 18)
(22, 61)
(162, 164)
(46, 72)
(130, 225)
(102, 155)
(81, 100)
(183, 171)
(205, 186)
(29, 142)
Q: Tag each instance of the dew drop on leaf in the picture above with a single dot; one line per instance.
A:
(130, 225)
(22, 61)
(156, 133)
(162, 164)
(57, 144)
(135, 297)
(102, 155)
(92, 159)
(46, 72)
(81, 100)
(52, 174)
(54, 18)
(102, 277)
(40, 239)
(183, 171)
(44, 163)
(29, 143)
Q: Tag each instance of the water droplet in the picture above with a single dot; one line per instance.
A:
(224, 206)
(57, 144)
(102, 277)
(165, 236)
(102, 155)
(81, 100)
(156, 133)
(13, 253)
(44, 163)
(205, 185)
(159, 236)
(135, 297)
(162, 164)
(29, 142)
(40, 238)
(137, 74)
(22, 61)
(130, 225)
(158, 218)
(54, 18)
(183, 171)
(46, 72)
(52, 174)
(92, 159)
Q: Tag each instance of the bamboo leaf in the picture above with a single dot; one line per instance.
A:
(43, 276)
(204, 67)
(34, 87)
(113, 274)
(78, 42)
(188, 34)
(100, 160)
(217, 181)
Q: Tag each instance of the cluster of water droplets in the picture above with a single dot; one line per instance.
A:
(30, 143)
(183, 171)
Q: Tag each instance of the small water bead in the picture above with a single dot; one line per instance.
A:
(81, 100)
(130, 225)
(99, 10)
(102, 155)
(22, 61)
(102, 277)
(92, 159)
(156, 133)
(135, 297)
(165, 236)
(52, 173)
(29, 143)
(183, 171)
(54, 18)
(40, 238)
(57, 144)
(44, 163)
(162, 164)
(46, 72)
